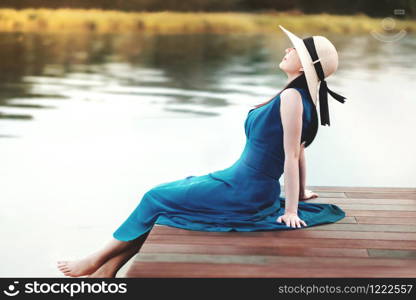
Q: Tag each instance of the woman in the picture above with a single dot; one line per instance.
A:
(245, 196)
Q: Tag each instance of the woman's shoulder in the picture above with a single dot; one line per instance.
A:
(305, 101)
(291, 92)
(306, 98)
(295, 92)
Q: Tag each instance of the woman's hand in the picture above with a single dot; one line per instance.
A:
(291, 219)
(307, 194)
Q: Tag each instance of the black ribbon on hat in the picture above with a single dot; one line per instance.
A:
(323, 89)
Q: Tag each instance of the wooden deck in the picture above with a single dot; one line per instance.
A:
(377, 238)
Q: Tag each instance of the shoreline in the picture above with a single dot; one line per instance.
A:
(168, 22)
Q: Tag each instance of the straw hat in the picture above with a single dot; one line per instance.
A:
(319, 59)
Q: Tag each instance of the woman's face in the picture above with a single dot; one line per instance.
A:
(291, 63)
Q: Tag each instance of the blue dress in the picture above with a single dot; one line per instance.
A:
(243, 197)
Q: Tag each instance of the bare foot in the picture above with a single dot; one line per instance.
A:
(77, 268)
(104, 272)
(113, 256)
(110, 268)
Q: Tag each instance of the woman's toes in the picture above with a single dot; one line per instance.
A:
(63, 263)
(63, 271)
(78, 268)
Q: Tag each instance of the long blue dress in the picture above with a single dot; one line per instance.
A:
(243, 197)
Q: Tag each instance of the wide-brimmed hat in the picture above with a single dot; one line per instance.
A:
(319, 59)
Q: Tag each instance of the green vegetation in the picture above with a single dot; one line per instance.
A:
(112, 21)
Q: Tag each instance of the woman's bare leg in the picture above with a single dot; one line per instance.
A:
(110, 268)
(94, 261)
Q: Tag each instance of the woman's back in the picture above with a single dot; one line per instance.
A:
(264, 134)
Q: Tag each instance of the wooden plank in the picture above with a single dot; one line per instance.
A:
(325, 195)
(392, 253)
(319, 232)
(366, 227)
(386, 220)
(380, 213)
(285, 267)
(333, 242)
(210, 258)
(347, 220)
(391, 207)
(267, 259)
(363, 201)
(362, 189)
(153, 247)
(404, 195)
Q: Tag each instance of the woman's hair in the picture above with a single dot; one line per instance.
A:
(300, 82)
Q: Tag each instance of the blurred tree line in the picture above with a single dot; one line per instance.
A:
(374, 8)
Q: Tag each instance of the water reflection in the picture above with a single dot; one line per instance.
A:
(209, 63)
(183, 68)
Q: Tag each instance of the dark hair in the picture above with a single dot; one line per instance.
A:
(300, 82)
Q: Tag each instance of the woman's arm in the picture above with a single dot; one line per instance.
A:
(302, 172)
(291, 110)
(304, 194)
